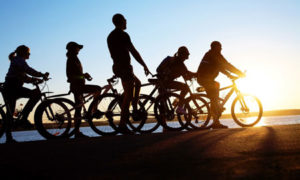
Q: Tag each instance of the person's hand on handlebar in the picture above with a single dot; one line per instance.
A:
(87, 76)
(45, 76)
(36, 81)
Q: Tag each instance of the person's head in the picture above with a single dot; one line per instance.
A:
(73, 48)
(21, 51)
(216, 46)
(119, 21)
(182, 53)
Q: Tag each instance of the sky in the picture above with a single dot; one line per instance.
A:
(261, 37)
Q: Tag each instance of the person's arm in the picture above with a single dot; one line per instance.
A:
(226, 66)
(32, 71)
(136, 54)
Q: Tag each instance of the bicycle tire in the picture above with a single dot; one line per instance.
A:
(2, 122)
(98, 121)
(249, 116)
(52, 122)
(169, 119)
(151, 123)
(200, 115)
(114, 116)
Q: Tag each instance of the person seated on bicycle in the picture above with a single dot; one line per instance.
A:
(173, 67)
(76, 78)
(120, 47)
(16, 76)
(212, 63)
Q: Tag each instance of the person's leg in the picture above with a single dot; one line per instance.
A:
(33, 95)
(183, 88)
(137, 88)
(10, 102)
(212, 90)
(95, 90)
(127, 98)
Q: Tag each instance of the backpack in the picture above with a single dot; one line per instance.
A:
(163, 68)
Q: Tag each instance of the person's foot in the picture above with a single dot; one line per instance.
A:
(25, 123)
(11, 141)
(124, 130)
(80, 135)
(180, 110)
(218, 126)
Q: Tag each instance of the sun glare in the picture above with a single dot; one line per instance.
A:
(259, 85)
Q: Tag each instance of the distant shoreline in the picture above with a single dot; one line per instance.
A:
(281, 112)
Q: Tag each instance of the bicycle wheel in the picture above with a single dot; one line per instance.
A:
(151, 123)
(2, 122)
(114, 116)
(200, 112)
(165, 111)
(98, 111)
(246, 110)
(52, 119)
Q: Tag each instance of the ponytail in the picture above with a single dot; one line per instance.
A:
(12, 55)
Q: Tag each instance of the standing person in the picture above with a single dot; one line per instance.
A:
(76, 78)
(120, 45)
(212, 63)
(16, 76)
(173, 67)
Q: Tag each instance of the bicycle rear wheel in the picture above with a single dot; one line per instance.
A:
(114, 116)
(98, 115)
(246, 110)
(52, 119)
(165, 111)
(200, 112)
(2, 122)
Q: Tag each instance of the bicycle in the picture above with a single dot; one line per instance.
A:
(161, 110)
(246, 109)
(109, 106)
(53, 110)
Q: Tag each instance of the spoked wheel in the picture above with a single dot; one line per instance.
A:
(246, 110)
(52, 119)
(2, 122)
(98, 115)
(166, 112)
(200, 112)
(151, 123)
(114, 116)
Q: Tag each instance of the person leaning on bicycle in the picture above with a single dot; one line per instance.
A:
(120, 45)
(170, 69)
(16, 76)
(212, 63)
(76, 78)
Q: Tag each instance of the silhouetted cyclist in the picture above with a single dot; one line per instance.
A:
(76, 78)
(119, 45)
(212, 63)
(16, 76)
(173, 67)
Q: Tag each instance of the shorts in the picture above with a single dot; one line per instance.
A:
(123, 72)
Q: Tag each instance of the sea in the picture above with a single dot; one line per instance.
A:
(33, 135)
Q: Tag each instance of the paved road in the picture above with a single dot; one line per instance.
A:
(261, 152)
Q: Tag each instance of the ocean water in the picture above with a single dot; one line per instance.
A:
(33, 135)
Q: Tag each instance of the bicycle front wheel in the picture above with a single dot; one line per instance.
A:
(114, 116)
(98, 115)
(2, 122)
(52, 119)
(246, 110)
(166, 112)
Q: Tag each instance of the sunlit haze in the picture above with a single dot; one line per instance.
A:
(261, 37)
